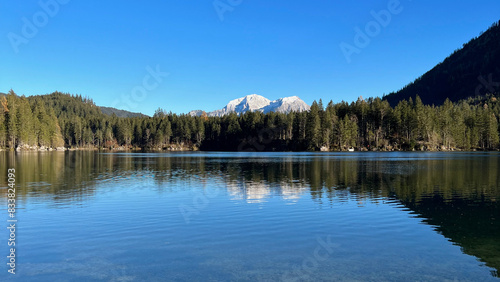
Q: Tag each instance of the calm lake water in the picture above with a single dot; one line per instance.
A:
(89, 216)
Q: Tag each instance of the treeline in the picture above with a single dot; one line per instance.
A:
(26, 121)
(74, 121)
(365, 125)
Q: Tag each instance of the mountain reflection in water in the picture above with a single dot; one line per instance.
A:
(455, 193)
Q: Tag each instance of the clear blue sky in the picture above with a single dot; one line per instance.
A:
(102, 49)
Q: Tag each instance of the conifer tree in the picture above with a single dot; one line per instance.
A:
(12, 119)
(3, 125)
(313, 128)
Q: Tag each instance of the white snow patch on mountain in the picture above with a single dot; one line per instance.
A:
(257, 103)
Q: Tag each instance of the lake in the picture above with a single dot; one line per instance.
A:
(196, 216)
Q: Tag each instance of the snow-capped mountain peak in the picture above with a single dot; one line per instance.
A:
(254, 103)
(248, 103)
(287, 104)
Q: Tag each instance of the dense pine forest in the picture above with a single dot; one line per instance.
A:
(73, 121)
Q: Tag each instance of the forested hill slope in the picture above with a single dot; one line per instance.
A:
(69, 106)
(120, 113)
(471, 71)
(65, 101)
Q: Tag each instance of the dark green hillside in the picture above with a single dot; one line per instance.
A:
(120, 113)
(470, 71)
(67, 106)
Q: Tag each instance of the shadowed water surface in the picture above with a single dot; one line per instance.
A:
(89, 216)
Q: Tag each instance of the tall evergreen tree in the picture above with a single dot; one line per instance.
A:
(12, 119)
(3, 124)
(313, 127)
(25, 122)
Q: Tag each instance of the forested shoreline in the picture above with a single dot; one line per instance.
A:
(65, 121)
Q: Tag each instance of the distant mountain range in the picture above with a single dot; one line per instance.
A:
(257, 103)
(471, 71)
